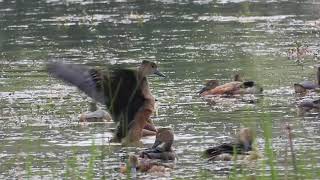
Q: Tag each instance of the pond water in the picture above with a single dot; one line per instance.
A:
(190, 40)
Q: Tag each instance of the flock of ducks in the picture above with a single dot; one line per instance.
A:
(127, 96)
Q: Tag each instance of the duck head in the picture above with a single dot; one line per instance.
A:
(250, 87)
(164, 140)
(147, 68)
(210, 84)
(246, 137)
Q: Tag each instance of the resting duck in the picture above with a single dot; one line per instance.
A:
(307, 85)
(125, 92)
(307, 105)
(145, 165)
(95, 115)
(242, 148)
(212, 87)
(162, 147)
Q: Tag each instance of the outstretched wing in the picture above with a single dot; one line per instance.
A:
(87, 80)
(119, 90)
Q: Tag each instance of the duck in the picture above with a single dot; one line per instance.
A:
(125, 92)
(96, 115)
(304, 86)
(240, 149)
(308, 105)
(136, 164)
(237, 86)
(162, 147)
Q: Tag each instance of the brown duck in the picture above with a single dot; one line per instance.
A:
(237, 86)
(162, 147)
(303, 86)
(96, 115)
(145, 165)
(242, 146)
(125, 92)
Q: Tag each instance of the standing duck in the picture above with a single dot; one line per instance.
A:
(96, 115)
(125, 92)
(307, 85)
(242, 146)
(212, 87)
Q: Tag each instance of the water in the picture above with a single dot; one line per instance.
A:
(190, 40)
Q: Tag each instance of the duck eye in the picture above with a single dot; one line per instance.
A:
(153, 66)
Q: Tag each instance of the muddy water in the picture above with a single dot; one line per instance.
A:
(190, 40)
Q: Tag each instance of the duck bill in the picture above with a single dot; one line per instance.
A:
(157, 72)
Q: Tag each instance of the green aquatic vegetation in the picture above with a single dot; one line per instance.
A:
(72, 169)
(267, 133)
(89, 174)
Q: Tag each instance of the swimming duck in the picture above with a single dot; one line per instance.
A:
(145, 165)
(95, 114)
(162, 147)
(125, 92)
(307, 85)
(212, 87)
(242, 147)
(307, 105)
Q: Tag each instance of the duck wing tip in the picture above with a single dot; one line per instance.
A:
(80, 76)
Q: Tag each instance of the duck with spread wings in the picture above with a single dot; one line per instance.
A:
(125, 92)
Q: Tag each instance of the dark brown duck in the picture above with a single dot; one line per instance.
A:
(125, 92)
(225, 151)
(303, 86)
(162, 147)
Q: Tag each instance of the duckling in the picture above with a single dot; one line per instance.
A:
(146, 165)
(162, 147)
(125, 92)
(242, 148)
(231, 88)
(307, 85)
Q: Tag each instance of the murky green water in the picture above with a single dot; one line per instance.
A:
(191, 40)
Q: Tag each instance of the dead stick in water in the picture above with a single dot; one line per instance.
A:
(293, 156)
